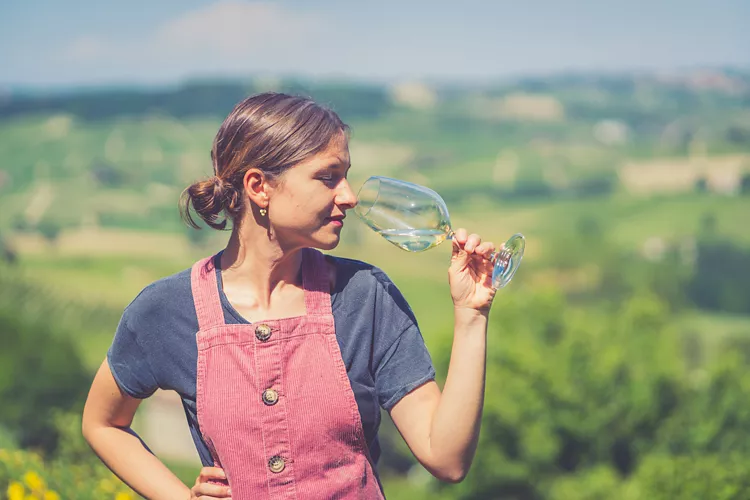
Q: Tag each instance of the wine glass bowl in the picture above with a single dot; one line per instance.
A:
(415, 218)
(410, 216)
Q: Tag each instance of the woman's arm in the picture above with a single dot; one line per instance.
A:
(442, 430)
(107, 417)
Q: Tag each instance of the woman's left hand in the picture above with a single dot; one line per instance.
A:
(470, 272)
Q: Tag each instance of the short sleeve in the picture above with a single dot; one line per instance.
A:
(129, 364)
(406, 363)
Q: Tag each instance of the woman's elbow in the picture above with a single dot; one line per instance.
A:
(87, 428)
(452, 474)
(91, 424)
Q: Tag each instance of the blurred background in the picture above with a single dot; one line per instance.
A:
(614, 135)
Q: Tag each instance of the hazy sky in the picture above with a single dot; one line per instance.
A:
(83, 42)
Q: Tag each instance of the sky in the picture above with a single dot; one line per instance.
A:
(53, 44)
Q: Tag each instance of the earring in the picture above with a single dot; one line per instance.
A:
(263, 212)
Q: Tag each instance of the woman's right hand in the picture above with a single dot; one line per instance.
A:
(206, 487)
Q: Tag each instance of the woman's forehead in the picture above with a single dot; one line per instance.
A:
(339, 144)
(336, 151)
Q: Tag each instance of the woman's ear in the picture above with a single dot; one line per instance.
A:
(256, 187)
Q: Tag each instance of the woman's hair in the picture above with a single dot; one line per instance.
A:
(271, 132)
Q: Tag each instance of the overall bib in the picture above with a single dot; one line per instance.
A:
(274, 402)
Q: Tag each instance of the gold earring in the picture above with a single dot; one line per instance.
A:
(263, 212)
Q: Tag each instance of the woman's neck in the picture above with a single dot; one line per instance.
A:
(259, 264)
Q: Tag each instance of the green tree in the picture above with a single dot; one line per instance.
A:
(50, 229)
(569, 389)
(40, 369)
(666, 477)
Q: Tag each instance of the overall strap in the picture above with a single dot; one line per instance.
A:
(206, 294)
(316, 281)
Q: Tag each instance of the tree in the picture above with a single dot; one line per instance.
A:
(50, 229)
(7, 253)
(40, 370)
(745, 184)
(722, 271)
(570, 389)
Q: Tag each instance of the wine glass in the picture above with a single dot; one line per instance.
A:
(415, 218)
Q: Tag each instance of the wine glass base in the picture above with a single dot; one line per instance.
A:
(507, 261)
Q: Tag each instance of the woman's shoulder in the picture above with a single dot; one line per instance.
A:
(356, 272)
(168, 295)
(360, 283)
(364, 286)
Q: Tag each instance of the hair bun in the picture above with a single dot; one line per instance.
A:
(210, 199)
(218, 185)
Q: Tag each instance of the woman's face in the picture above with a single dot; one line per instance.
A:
(306, 208)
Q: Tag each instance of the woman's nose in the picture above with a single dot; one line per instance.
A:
(346, 196)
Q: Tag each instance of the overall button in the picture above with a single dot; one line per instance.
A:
(263, 332)
(270, 397)
(276, 464)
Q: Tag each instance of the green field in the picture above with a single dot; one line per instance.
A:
(618, 350)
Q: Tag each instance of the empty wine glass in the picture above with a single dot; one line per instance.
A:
(415, 218)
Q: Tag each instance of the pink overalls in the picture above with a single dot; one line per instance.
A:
(274, 402)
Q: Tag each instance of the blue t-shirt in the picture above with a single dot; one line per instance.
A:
(381, 345)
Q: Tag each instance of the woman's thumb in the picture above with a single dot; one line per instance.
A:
(458, 255)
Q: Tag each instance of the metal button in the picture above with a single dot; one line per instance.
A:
(276, 464)
(270, 397)
(263, 332)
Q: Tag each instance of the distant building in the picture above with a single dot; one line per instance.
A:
(706, 79)
(531, 107)
(517, 106)
(721, 174)
(414, 95)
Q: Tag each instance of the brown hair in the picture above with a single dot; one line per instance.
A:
(271, 132)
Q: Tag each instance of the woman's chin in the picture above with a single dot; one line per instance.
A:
(327, 241)
(329, 245)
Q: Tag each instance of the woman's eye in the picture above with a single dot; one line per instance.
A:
(327, 179)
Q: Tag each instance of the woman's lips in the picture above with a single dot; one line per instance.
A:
(335, 221)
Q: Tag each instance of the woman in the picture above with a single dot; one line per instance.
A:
(295, 352)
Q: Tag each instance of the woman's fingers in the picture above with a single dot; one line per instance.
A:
(460, 235)
(208, 491)
(211, 473)
(465, 240)
(485, 249)
(472, 242)
(205, 487)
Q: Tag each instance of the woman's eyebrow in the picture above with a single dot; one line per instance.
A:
(335, 163)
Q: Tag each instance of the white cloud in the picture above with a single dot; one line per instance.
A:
(235, 28)
(224, 36)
